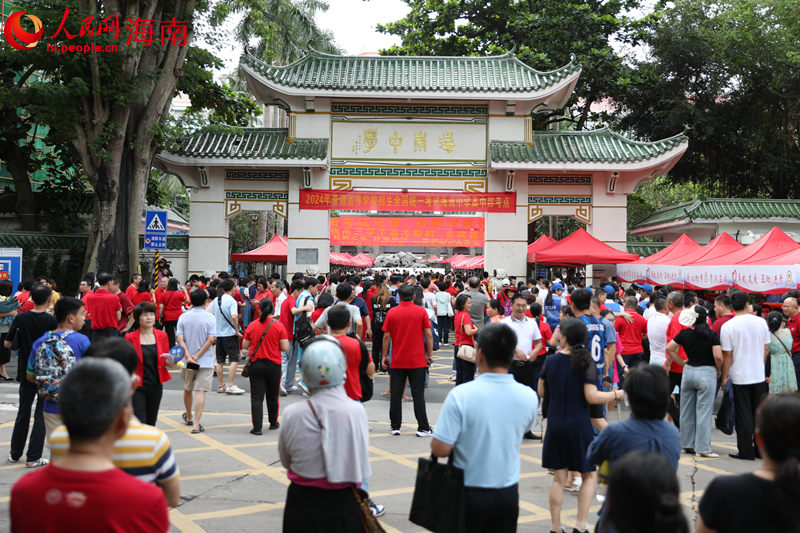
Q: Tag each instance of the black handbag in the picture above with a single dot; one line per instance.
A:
(439, 500)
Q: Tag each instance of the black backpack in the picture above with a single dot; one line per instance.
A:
(303, 328)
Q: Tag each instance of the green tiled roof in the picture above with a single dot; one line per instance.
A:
(717, 208)
(597, 146)
(492, 74)
(643, 249)
(253, 143)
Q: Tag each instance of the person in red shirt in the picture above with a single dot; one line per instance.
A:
(265, 339)
(170, 307)
(161, 286)
(465, 332)
(406, 325)
(355, 351)
(133, 288)
(143, 293)
(289, 368)
(126, 320)
(544, 328)
(631, 334)
(105, 309)
(675, 306)
(723, 311)
(84, 491)
(791, 309)
(370, 290)
(263, 292)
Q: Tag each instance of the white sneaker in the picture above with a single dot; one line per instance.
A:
(710, 455)
(377, 510)
(233, 389)
(41, 461)
(395, 432)
(292, 388)
(12, 460)
(424, 433)
(452, 376)
(282, 391)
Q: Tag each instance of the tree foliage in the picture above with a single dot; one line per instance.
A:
(545, 34)
(730, 70)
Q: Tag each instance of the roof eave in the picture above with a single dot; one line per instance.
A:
(233, 161)
(665, 160)
(563, 89)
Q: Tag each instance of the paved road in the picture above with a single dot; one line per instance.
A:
(233, 481)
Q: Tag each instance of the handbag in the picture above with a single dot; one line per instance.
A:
(439, 501)
(249, 363)
(466, 352)
(369, 521)
(727, 413)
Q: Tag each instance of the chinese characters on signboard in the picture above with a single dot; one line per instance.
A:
(499, 202)
(407, 231)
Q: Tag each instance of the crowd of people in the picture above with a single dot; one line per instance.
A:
(532, 359)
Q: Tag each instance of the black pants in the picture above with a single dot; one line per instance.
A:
(492, 510)
(106, 333)
(465, 371)
(796, 362)
(265, 380)
(377, 347)
(169, 328)
(674, 407)
(443, 324)
(313, 510)
(631, 360)
(146, 401)
(5, 353)
(27, 395)
(416, 378)
(746, 399)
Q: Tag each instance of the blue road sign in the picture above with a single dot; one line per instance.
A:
(155, 230)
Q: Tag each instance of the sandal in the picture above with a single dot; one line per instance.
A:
(199, 429)
(387, 393)
(186, 420)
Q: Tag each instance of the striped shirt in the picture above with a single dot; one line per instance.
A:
(144, 451)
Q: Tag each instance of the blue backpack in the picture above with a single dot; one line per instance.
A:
(54, 358)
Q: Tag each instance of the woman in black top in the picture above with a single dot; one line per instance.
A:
(699, 383)
(767, 499)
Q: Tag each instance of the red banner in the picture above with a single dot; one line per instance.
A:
(407, 231)
(492, 202)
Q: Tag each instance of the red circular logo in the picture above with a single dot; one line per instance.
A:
(17, 37)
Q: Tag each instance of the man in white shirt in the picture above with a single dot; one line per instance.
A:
(745, 347)
(196, 332)
(526, 365)
(657, 326)
(278, 289)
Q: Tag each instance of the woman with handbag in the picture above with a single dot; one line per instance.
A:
(263, 342)
(170, 307)
(150, 344)
(782, 377)
(324, 445)
(465, 331)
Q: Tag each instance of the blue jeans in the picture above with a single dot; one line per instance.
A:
(697, 402)
(290, 370)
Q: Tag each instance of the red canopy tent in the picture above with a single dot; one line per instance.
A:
(275, 251)
(342, 259)
(580, 248)
(664, 273)
(434, 259)
(364, 260)
(636, 272)
(453, 258)
(538, 245)
(468, 263)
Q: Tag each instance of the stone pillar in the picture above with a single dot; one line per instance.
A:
(609, 223)
(506, 239)
(208, 232)
(309, 229)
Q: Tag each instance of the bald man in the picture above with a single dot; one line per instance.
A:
(792, 310)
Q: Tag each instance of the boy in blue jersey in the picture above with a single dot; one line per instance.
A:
(581, 300)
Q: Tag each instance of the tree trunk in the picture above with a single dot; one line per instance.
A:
(261, 237)
(26, 206)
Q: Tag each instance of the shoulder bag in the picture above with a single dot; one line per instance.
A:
(368, 520)
(439, 501)
(228, 320)
(249, 363)
(465, 352)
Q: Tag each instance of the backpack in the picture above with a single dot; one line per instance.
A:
(303, 329)
(54, 358)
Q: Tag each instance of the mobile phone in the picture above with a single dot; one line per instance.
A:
(192, 366)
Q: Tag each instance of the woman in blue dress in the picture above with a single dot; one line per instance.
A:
(571, 381)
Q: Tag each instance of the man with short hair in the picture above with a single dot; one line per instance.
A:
(70, 315)
(675, 301)
(791, 309)
(289, 309)
(631, 336)
(596, 344)
(479, 302)
(143, 451)
(657, 331)
(344, 295)
(644, 290)
(527, 363)
(745, 342)
(26, 328)
(483, 434)
(133, 288)
(104, 308)
(195, 333)
(226, 313)
(126, 306)
(84, 490)
(405, 326)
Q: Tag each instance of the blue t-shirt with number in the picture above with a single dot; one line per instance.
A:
(596, 343)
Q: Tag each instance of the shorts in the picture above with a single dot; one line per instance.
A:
(197, 380)
(227, 346)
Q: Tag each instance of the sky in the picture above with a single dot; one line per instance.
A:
(353, 23)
